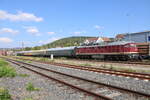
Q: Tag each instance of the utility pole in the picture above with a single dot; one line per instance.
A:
(22, 45)
(128, 17)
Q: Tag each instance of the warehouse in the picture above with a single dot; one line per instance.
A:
(138, 37)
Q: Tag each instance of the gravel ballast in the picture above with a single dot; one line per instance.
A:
(48, 89)
(115, 94)
(125, 82)
(51, 90)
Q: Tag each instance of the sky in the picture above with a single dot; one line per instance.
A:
(37, 22)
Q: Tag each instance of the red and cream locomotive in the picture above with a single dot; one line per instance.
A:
(116, 51)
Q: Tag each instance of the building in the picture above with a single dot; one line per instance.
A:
(3, 53)
(103, 39)
(96, 40)
(119, 37)
(138, 37)
(91, 40)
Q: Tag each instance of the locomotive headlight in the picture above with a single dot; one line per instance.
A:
(132, 45)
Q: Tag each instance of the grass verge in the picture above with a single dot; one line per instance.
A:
(4, 94)
(86, 65)
(6, 70)
(23, 75)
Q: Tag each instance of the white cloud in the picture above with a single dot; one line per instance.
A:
(98, 27)
(5, 40)
(49, 40)
(79, 32)
(33, 30)
(50, 33)
(8, 30)
(19, 16)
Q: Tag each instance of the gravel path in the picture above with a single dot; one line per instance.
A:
(49, 90)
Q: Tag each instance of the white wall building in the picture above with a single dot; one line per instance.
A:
(138, 37)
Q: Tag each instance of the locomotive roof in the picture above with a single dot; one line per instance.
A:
(110, 44)
(30, 51)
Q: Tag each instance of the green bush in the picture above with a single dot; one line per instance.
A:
(4, 94)
(86, 64)
(28, 61)
(43, 59)
(30, 87)
(28, 98)
(6, 70)
(63, 58)
(23, 75)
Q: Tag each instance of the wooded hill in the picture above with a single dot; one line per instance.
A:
(64, 42)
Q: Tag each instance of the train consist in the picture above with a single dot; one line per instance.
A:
(112, 51)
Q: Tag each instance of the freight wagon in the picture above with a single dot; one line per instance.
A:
(144, 49)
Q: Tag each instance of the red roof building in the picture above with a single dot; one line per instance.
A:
(97, 40)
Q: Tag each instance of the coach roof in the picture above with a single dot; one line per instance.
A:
(64, 48)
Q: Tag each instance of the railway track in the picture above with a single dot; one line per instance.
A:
(98, 90)
(142, 76)
(109, 61)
